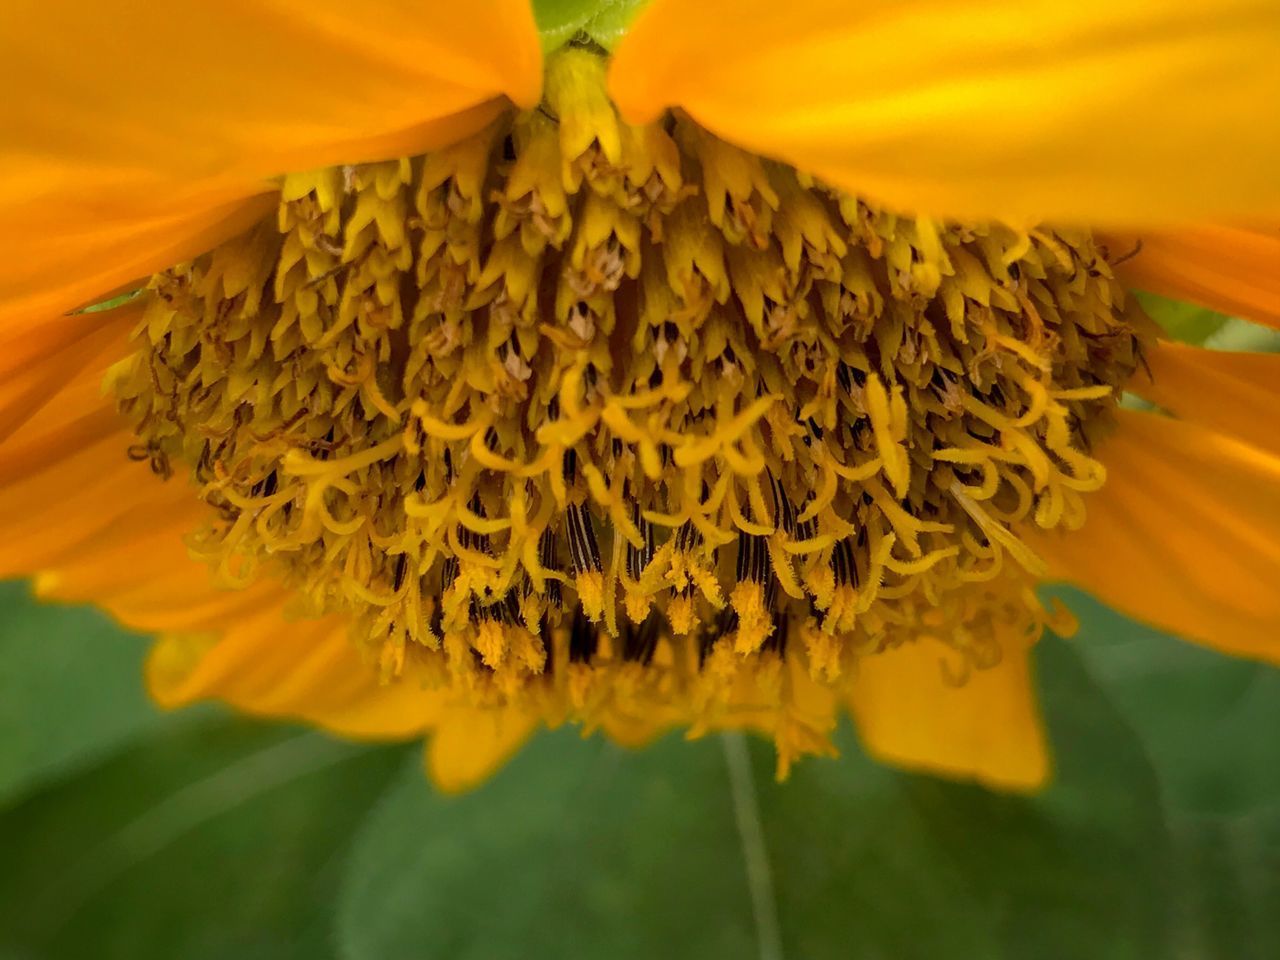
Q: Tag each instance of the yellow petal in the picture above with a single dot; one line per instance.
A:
(1185, 535)
(909, 713)
(1234, 270)
(1094, 111)
(1236, 394)
(138, 137)
(631, 731)
(469, 744)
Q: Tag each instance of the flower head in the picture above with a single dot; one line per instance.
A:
(693, 411)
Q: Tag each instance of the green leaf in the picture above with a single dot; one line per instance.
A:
(587, 850)
(575, 849)
(212, 840)
(1228, 877)
(1203, 717)
(70, 691)
(1206, 721)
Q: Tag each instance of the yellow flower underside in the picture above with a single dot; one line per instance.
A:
(579, 420)
(1122, 114)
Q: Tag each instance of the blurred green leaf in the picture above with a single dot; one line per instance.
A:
(1201, 326)
(1244, 335)
(1228, 886)
(1182, 321)
(219, 839)
(1205, 719)
(70, 691)
(588, 850)
(576, 849)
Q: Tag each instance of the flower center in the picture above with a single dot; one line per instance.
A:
(626, 425)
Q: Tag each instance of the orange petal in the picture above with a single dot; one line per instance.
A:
(65, 476)
(246, 88)
(309, 670)
(92, 347)
(470, 744)
(236, 646)
(987, 729)
(1234, 270)
(1094, 111)
(1236, 394)
(92, 526)
(1185, 535)
(60, 252)
(138, 138)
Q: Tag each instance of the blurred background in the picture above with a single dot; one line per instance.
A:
(130, 833)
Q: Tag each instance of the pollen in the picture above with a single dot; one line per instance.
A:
(627, 427)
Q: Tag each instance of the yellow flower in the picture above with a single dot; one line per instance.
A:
(757, 372)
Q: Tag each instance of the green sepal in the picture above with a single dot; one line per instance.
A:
(604, 21)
